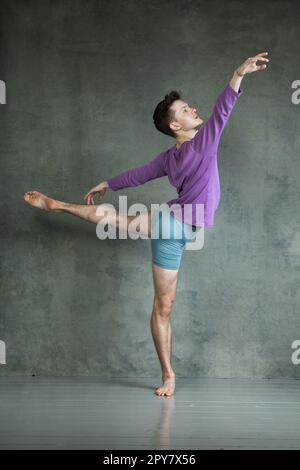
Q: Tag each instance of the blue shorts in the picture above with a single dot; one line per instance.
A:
(167, 252)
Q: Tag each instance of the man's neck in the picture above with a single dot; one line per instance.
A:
(186, 136)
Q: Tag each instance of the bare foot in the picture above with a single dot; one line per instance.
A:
(167, 388)
(36, 199)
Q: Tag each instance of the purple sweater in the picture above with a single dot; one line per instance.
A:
(192, 168)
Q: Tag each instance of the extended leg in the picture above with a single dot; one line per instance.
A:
(86, 212)
(165, 283)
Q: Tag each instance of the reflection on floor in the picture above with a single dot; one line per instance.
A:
(124, 413)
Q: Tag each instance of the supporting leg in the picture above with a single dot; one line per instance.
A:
(165, 283)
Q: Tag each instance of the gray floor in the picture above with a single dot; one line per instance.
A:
(85, 413)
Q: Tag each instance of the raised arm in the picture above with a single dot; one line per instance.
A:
(209, 134)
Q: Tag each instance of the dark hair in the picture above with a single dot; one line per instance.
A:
(163, 115)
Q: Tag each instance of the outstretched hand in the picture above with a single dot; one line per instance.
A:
(100, 189)
(250, 64)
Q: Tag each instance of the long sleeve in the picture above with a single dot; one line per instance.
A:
(208, 137)
(139, 175)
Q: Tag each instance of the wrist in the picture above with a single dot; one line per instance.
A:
(239, 73)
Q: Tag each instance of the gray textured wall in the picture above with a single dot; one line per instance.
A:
(83, 78)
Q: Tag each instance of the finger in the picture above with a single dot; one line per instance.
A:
(261, 55)
(261, 67)
(87, 195)
(255, 59)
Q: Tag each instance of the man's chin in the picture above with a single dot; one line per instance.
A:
(199, 125)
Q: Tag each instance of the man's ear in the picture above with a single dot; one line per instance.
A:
(174, 126)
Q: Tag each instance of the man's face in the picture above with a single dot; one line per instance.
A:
(185, 117)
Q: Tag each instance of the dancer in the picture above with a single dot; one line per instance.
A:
(191, 166)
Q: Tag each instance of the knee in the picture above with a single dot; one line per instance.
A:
(163, 306)
(108, 213)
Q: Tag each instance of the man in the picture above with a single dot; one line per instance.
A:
(191, 166)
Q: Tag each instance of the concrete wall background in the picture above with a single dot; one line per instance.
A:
(83, 78)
